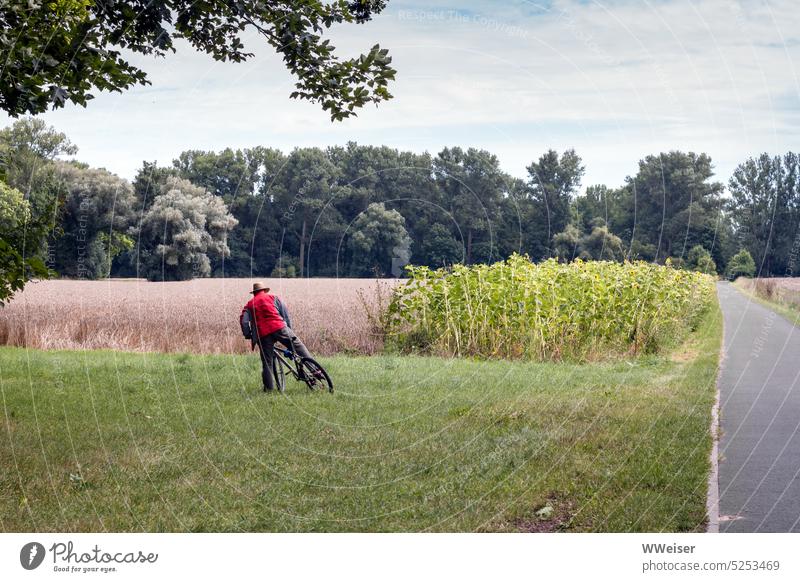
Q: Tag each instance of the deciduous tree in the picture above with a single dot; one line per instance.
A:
(765, 206)
(380, 243)
(181, 229)
(699, 259)
(19, 262)
(670, 205)
(553, 182)
(741, 265)
(473, 186)
(97, 213)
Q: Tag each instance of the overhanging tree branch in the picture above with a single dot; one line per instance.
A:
(51, 53)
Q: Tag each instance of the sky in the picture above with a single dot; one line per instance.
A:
(615, 80)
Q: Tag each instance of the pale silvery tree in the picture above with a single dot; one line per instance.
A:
(184, 226)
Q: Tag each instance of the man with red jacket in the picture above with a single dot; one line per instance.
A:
(271, 324)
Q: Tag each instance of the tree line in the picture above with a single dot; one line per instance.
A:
(366, 211)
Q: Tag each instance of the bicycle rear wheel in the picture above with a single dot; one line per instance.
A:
(315, 375)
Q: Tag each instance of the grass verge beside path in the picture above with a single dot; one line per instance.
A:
(131, 442)
(791, 313)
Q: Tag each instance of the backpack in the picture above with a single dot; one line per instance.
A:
(247, 325)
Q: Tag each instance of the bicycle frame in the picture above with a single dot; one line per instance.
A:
(316, 377)
(283, 353)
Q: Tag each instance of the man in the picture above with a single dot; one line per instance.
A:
(271, 324)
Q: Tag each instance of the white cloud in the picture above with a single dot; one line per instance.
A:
(616, 80)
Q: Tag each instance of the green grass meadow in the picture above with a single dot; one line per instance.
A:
(94, 441)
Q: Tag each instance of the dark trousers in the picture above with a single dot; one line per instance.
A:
(266, 343)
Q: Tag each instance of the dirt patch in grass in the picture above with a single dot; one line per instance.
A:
(552, 516)
(687, 351)
(686, 354)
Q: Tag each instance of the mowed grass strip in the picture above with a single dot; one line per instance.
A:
(152, 442)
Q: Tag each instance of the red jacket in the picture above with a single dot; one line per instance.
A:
(267, 312)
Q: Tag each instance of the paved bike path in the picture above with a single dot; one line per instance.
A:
(759, 383)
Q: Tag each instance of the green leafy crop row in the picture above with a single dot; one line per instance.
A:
(546, 311)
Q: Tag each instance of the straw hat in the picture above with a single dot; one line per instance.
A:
(258, 287)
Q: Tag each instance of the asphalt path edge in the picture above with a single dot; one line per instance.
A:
(712, 498)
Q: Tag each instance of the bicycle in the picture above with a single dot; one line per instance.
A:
(306, 370)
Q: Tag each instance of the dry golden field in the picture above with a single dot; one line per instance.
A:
(783, 290)
(199, 316)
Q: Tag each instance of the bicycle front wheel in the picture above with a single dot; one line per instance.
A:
(315, 375)
(279, 371)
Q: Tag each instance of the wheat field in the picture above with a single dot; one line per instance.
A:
(779, 289)
(199, 316)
